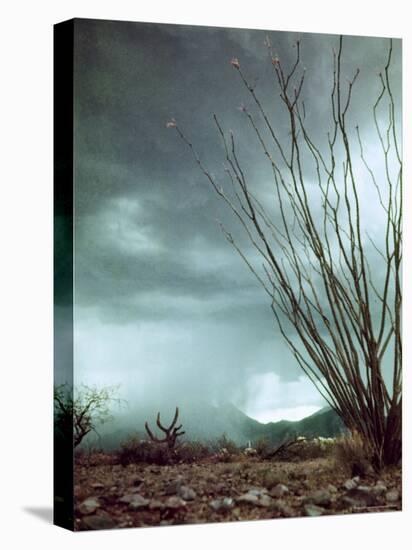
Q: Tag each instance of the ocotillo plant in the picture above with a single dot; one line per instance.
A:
(340, 318)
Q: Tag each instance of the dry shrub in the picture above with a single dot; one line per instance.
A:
(353, 455)
(262, 446)
(225, 446)
(93, 457)
(135, 450)
(191, 451)
(314, 448)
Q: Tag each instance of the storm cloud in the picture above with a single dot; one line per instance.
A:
(163, 304)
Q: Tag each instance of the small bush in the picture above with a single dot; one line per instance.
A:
(93, 456)
(135, 450)
(224, 442)
(263, 447)
(315, 448)
(190, 451)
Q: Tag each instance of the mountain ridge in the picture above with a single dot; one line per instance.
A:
(206, 422)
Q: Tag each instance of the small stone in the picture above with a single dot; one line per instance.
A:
(97, 485)
(379, 489)
(186, 493)
(349, 502)
(281, 506)
(257, 491)
(360, 496)
(174, 503)
(320, 498)
(364, 488)
(173, 487)
(219, 505)
(265, 501)
(392, 496)
(312, 510)
(271, 478)
(228, 502)
(350, 484)
(126, 498)
(331, 488)
(279, 491)
(248, 498)
(156, 505)
(89, 506)
(216, 504)
(138, 502)
(99, 521)
(256, 497)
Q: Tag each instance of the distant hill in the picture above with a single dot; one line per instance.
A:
(207, 422)
(324, 423)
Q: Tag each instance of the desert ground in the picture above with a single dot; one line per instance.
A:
(223, 488)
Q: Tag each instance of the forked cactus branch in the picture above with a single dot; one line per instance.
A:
(171, 432)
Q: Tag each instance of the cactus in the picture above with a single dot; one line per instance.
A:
(171, 433)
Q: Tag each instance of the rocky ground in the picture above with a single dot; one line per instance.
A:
(138, 495)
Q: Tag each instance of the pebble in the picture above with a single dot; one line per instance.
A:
(257, 497)
(101, 521)
(271, 479)
(174, 503)
(320, 498)
(257, 491)
(379, 489)
(89, 506)
(138, 502)
(173, 487)
(350, 484)
(127, 498)
(392, 496)
(360, 496)
(156, 505)
(279, 491)
(312, 510)
(282, 507)
(186, 493)
(219, 505)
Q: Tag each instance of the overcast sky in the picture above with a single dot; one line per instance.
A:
(163, 305)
